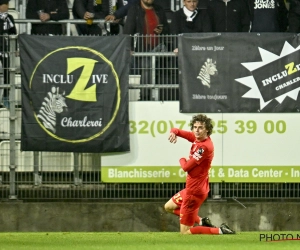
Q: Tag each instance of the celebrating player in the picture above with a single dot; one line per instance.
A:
(187, 202)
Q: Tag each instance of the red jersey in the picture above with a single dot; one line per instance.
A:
(199, 163)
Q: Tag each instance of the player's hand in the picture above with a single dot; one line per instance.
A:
(172, 138)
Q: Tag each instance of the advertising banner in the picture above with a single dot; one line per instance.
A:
(239, 72)
(75, 93)
(248, 147)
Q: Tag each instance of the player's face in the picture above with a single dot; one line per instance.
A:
(199, 131)
(191, 5)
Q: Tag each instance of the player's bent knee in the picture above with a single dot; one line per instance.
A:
(170, 206)
(167, 208)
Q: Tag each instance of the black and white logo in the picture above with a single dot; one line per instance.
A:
(275, 77)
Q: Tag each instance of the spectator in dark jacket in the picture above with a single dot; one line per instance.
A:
(122, 10)
(93, 9)
(7, 27)
(46, 10)
(229, 15)
(294, 16)
(190, 19)
(268, 16)
(148, 20)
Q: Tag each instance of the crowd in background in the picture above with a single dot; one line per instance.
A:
(194, 16)
(154, 18)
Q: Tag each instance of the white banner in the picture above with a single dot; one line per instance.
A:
(240, 139)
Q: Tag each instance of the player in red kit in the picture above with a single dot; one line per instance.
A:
(187, 202)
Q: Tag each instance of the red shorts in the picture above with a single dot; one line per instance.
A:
(189, 206)
(178, 197)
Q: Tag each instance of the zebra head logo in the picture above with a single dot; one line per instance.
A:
(209, 68)
(52, 104)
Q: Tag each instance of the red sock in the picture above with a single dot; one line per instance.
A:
(177, 212)
(204, 230)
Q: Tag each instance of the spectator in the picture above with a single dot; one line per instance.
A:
(147, 19)
(7, 27)
(47, 10)
(268, 16)
(190, 19)
(122, 9)
(89, 10)
(294, 16)
(121, 12)
(229, 15)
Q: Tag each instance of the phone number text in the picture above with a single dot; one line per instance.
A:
(221, 127)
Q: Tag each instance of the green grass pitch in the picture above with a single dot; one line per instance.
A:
(141, 241)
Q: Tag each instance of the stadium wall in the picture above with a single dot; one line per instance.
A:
(142, 216)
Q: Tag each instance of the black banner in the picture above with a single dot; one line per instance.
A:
(75, 93)
(239, 72)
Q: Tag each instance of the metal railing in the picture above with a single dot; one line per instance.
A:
(40, 176)
(67, 23)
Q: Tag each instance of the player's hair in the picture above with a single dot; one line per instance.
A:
(203, 119)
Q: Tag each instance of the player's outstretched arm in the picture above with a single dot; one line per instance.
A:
(188, 135)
